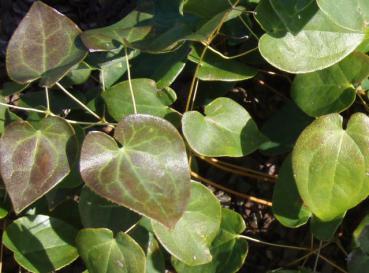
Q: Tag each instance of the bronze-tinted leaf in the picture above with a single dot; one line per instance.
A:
(148, 174)
(44, 46)
(34, 160)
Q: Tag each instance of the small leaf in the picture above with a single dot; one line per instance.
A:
(330, 90)
(228, 250)
(96, 212)
(148, 174)
(44, 46)
(149, 99)
(216, 68)
(34, 160)
(325, 230)
(104, 253)
(219, 133)
(287, 204)
(330, 165)
(41, 243)
(190, 239)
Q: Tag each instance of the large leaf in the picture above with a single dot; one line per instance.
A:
(332, 89)
(41, 243)
(309, 47)
(190, 239)
(287, 204)
(104, 253)
(44, 46)
(219, 133)
(228, 250)
(149, 99)
(353, 14)
(34, 159)
(330, 165)
(147, 170)
(216, 68)
(96, 212)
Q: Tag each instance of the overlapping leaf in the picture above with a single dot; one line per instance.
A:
(144, 167)
(41, 243)
(219, 133)
(190, 239)
(44, 46)
(330, 165)
(35, 159)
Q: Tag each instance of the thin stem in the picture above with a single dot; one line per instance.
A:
(275, 91)
(306, 256)
(230, 57)
(2, 248)
(78, 101)
(132, 227)
(130, 82)
(90, 123)
(48, 111)
(366, 106)
(339, 245)
(23, 108)
(235, 193)
(317, 256)
(272, 244)
(248, 28)
(332, 264)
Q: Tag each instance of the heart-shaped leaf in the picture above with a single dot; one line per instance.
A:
(330, 90)
(148, 174)
(308, 48)
(190, 239)
(41, 243)
(35, 159)
(102, 253)
(219, 133)
(353, 14)
(228, 250)
(330, 165)
(149, 99)
(44, 46)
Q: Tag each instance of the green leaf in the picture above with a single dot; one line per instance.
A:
(44, 46)
(364, 240)
(357, 261)
(34, 159)
(96, 212)
(78, 75)
(352, 15)
(333, 89)
(302, 270)
(41, 243)
(287, 204)
(228, 250)
(147, 169)
(359, 229)
(149, 99)
(190, 239)
(216, 68)
(325, 230)
(219, 133)
(330, 165)
(311, 48)
(104, 253)
(11, 88)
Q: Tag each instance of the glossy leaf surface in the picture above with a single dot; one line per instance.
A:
(104, 253)
(190, 239)
(44, 46)
(41, 243)
(330, 90)
(228, 250)
(218, 133)
(35, 159)
(149, 173)
(330, 165)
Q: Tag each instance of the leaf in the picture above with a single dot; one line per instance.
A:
(363, 240)
(302, 270)
(149, 173)
(352, 15)
(216, 68)
(34, 159)
(149, 99)
(190, 239)
(330, 165)
(359, 229)
(288, 207)
(357, 260)
(44, 46)
(330, 90)
(219, 133)
(96, 212)
(104, 253)
(325, 230)
(41, 243)
(11, 88)
(311, 48)
(78, 75)
(228, 250)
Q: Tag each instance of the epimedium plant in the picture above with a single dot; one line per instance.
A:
(123, 156)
